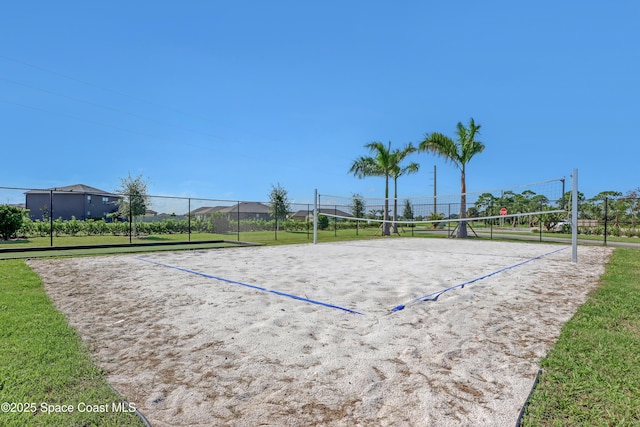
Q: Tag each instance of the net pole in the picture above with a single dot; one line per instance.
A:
(315, 216)
(574, 216)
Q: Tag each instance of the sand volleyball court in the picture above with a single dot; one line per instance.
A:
(305, 335)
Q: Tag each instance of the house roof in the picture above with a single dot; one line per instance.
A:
(251, 207)
(206, 210)
(245, 207)
(305, 212)
(77, 189)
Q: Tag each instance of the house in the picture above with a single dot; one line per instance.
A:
(307, 215)
(79, 201)
(205, 211)
(239, 211)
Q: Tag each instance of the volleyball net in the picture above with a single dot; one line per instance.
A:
(542, 204)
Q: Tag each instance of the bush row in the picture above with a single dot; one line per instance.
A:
(219, 224)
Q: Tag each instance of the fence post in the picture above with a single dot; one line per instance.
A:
(51, 217)
(130, 218)
(540, 228)
(606, 218)
(491, 220)
(189, 218)
(574, 216)
(316, 198)
(307, 219)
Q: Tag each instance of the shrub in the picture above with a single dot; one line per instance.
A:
(435, 217)
(11, 218)
(72, 227)
(323, 222)
(96, 227)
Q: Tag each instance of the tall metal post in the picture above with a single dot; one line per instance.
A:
(51, 217)
(130, 218)
(435, 194)
(606, 218)
(574, 216)
(315, 216)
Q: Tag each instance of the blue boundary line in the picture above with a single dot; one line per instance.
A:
(435, 295)
(248, 285)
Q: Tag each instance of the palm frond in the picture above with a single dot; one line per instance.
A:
(441, 145)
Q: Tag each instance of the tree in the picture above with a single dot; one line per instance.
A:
(357, 206)
(279, 207)
(458, 152)
(407, 212)
(381, 164)
(135, 198)
(398, 157)
(11, 218)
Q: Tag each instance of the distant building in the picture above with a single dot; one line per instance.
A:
(79, 201)
(242, 210)
(307, 214)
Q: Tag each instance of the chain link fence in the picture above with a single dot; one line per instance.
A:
(84, 216)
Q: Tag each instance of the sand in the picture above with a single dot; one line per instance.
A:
(190, 350)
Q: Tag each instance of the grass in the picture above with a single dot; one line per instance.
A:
(258, 237)
(592, 374)
(254, 236)
(42, 360)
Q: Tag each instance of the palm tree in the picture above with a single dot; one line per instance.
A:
(381, 164)
(458, 152)
(398, 156)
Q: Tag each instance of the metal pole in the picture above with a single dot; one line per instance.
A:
(491, 220)
(51, 217)
(434, 190)
(606, 218)
(239, 222)
(130, 217)
(574, 216)
(307, 219)
(540, 225)
(189, 218)
(315, 216)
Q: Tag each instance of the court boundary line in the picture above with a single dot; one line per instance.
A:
(435, 295)
(248, 285)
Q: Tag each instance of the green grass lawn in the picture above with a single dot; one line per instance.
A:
(591, 377)
(271, 237)
(43, 362)
(63, 246)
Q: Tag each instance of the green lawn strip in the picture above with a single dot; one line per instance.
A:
(43, 361)
(592, 374)
(197, 242)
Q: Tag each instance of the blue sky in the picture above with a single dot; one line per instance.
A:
(225, 99)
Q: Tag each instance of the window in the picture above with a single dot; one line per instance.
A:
(88, 214)
(105, 200)
(89, 199)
